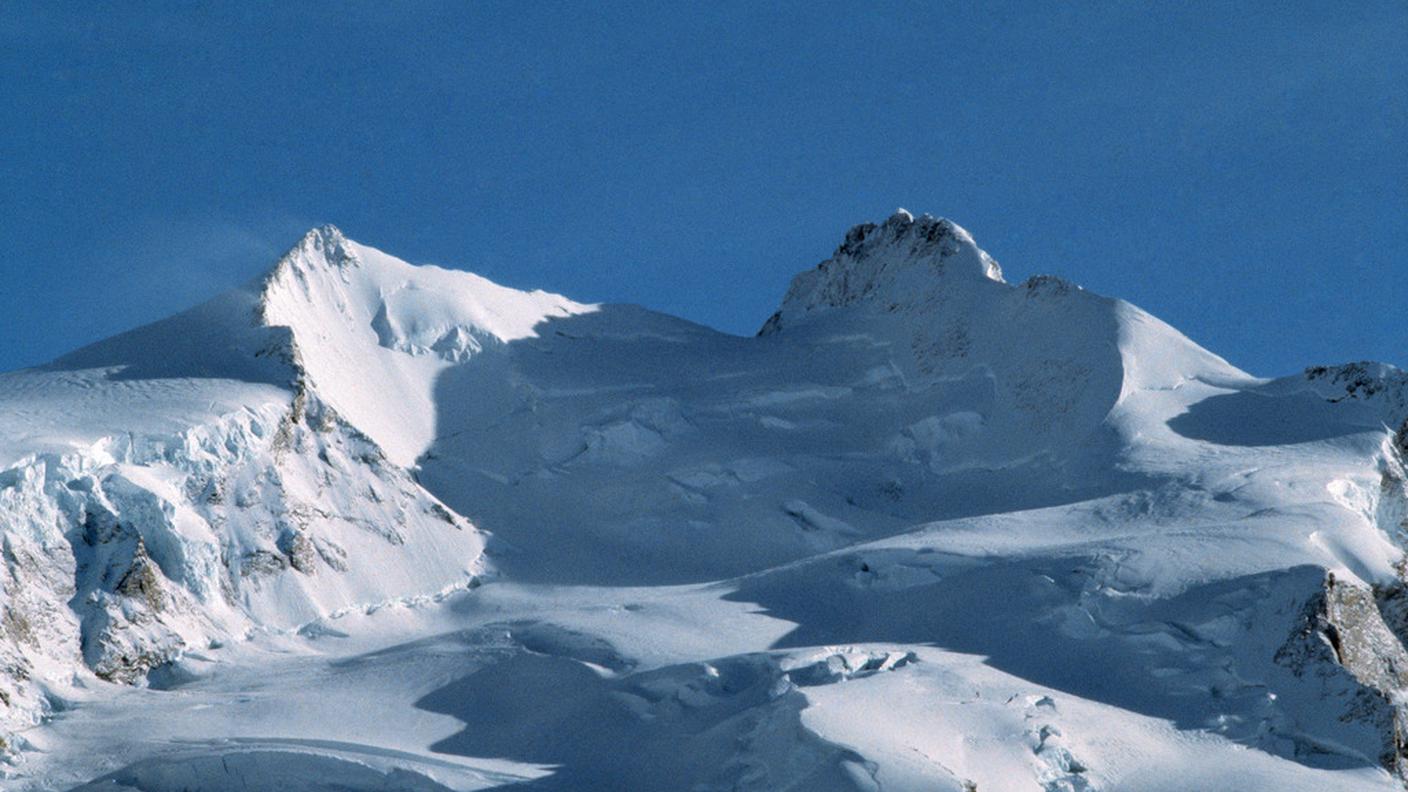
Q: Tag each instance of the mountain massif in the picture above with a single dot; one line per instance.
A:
(365, 525)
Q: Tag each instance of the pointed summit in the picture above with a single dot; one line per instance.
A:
(906, 238)
(322, 248)
(372, 332)
(329, 240)
(889, 264)
(366, 332)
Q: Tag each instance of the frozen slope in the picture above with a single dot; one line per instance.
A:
(901, 382)
(209, 476)
(928, 530)
(373, 332)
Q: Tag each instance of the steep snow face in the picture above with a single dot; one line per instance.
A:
(373, 332)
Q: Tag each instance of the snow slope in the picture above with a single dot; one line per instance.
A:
(368, 525)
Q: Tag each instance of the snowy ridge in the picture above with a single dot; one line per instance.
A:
(372, 332)
(929, 530)
(1059, 360)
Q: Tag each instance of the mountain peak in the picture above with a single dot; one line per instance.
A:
(890, 263)
(372, 331)
(324, 244)
(903, 237)
(1019, 505)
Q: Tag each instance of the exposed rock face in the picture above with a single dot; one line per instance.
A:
(896, 263)
(300, 551)
(142, 580)
(1352, 639)
(1363, 381)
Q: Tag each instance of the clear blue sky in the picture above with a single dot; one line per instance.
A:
(1239, 169)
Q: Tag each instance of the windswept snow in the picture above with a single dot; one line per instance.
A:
(367, 525)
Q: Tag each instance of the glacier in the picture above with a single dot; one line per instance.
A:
(367, 525)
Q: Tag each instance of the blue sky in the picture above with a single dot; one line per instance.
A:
(1241, 170)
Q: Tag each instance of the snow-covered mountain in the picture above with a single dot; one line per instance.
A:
(367, 525)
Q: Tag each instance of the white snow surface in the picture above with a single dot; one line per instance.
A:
(366, 525)
(374, 332)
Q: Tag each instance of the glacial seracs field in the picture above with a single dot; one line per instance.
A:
(366, 525)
